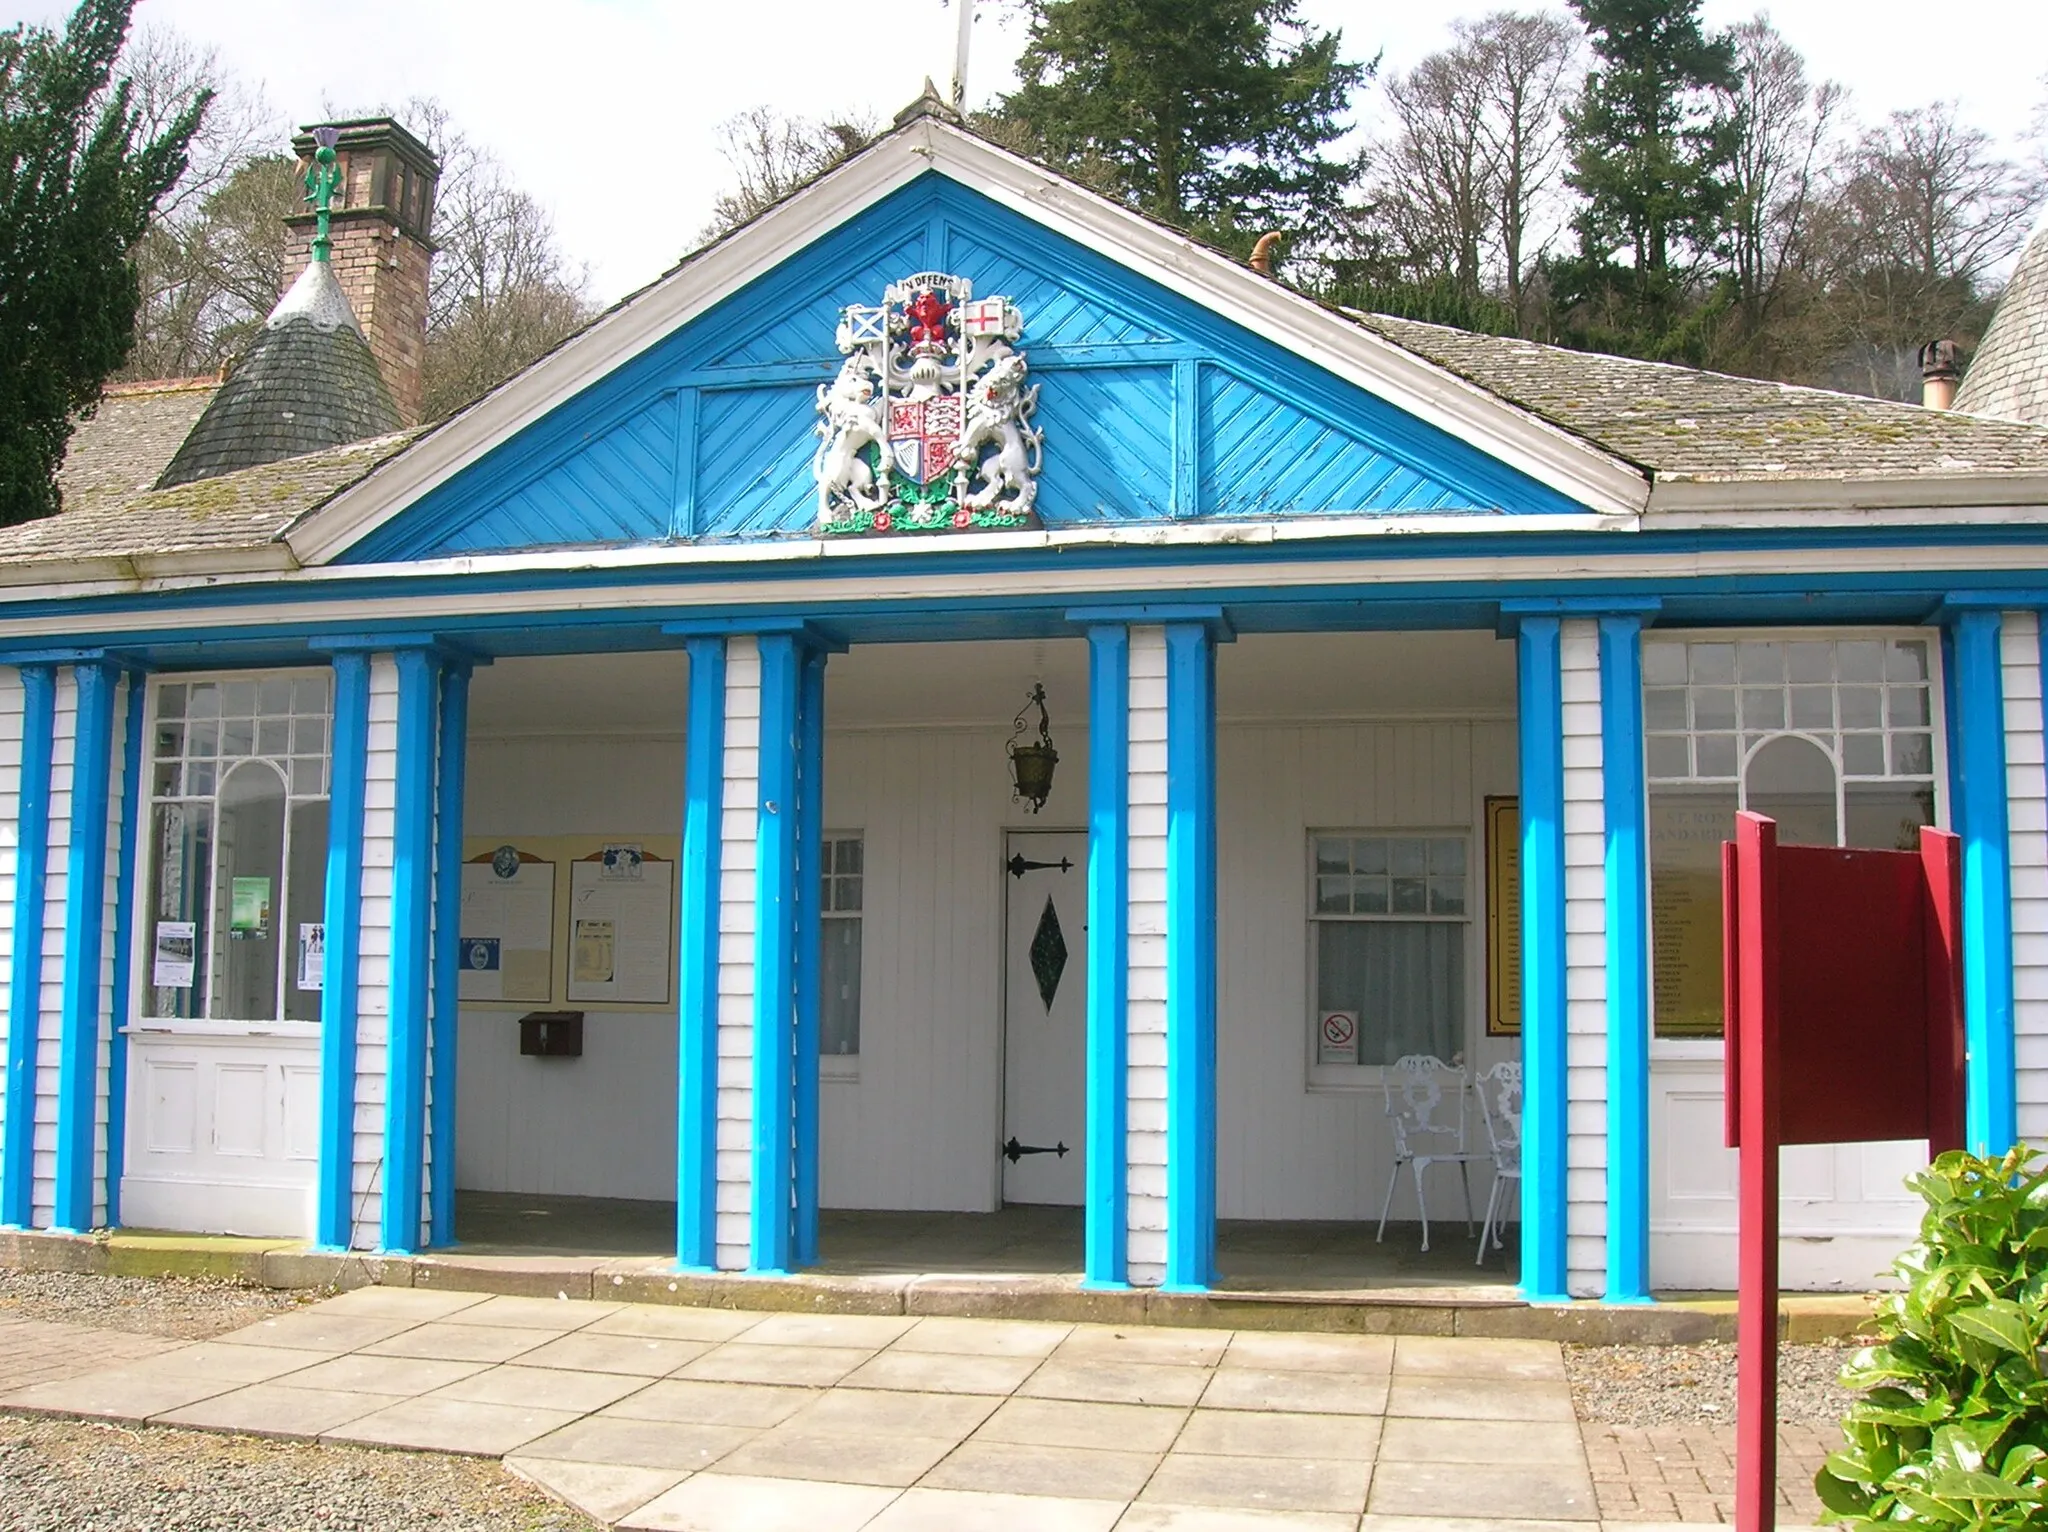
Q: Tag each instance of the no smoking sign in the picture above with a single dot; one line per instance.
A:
(1338, 1035)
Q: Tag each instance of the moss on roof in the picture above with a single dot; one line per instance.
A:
(1683, 423)
(235, 511)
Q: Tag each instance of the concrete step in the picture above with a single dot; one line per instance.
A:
(1678, 1319)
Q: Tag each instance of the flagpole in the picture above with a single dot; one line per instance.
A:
(960, 54)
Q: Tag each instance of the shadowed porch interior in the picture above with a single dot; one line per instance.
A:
(1254, 1256)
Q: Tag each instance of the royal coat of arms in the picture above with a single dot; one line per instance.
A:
(928, 428)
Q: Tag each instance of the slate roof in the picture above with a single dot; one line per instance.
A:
(1680, 423)
(306, 383)
(126, 442)
(235, 512)
(2009, 374)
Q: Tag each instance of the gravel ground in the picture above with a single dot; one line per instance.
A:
(81, 1477)
(177, 1308)
(1684, 1385)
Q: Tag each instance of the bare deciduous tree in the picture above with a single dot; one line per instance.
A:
(1785, 132)
(1529, 68)
(1464, 188)
(1930, 196)
(503, 292)
(1436, 178)
(211, 257)
(772, 153)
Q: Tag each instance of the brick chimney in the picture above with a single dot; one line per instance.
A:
(382, 252)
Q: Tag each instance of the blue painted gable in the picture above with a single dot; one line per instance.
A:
(1153, 408)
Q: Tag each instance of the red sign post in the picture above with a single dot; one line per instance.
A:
(1843, 982)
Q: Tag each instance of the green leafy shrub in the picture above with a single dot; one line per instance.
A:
(1953, 1428)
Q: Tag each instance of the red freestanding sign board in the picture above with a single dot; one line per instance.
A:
(1843, 986)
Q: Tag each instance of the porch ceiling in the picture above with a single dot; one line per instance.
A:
(1261, 676)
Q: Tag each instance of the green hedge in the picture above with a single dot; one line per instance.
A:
(1952, 1430)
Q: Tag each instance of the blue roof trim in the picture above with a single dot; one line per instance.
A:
(709, 432)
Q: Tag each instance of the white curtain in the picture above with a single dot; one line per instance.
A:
(1404, 979)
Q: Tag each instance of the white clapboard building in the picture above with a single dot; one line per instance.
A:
(628, 790)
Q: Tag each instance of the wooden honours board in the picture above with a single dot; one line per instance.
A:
(1503, 917)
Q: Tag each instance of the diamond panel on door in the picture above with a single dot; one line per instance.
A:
(1048, 955)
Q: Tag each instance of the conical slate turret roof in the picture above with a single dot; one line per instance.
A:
(2008, 376)
(308, 382)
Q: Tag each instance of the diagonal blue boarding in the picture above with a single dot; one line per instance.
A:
(1154, 408)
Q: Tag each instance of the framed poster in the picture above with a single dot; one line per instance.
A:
(622, 926)
(1503, 917)
(507, 938)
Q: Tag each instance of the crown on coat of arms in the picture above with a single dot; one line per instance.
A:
(927, 427)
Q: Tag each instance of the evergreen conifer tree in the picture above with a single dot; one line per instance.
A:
(1213, 115)
(1652, 141)
(78, 181)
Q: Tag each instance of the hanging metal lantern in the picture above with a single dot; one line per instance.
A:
(1031, 764)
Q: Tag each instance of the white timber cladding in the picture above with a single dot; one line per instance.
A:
(433, 920)
(373, 972)
(2026, 800)
(605, 1127)
(911, 1122)
(110, 907)
(736, 892)
(1585, 924)
(63, 756)
(10, 842)
(1145, 1007)
(1286, 1149)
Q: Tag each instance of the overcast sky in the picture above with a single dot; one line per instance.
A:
(607, 110)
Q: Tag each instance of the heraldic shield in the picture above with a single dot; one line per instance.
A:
(927, 427)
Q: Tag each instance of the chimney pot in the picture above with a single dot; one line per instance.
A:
(1938, 374)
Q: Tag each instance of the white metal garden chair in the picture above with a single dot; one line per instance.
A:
(1500, 1106)
(1427, 1131)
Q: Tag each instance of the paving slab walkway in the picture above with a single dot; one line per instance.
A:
(657, 1417)
(46, 1351)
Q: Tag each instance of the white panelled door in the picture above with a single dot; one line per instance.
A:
(1045, 1016)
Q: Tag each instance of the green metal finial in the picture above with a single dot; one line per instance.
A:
(322, 182)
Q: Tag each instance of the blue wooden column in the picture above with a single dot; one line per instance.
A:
(1104, 1262)
(697, 949)
(1976, 690)
(412, 907)
(125, 917)
(1544, 1127)
(1622, 778)
(773, 1206)
(25, 985)
(334, 1206)
(85, 906)
(810, 891)
(1191, 952)
(450, 779)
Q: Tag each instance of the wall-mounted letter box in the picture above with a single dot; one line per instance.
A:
(551, 1034)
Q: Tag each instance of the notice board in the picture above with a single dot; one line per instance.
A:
(622, 926)
(507, 929)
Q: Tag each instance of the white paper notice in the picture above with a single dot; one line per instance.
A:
(312, 953)
(175, 940)
(625, 927)
(507, 935)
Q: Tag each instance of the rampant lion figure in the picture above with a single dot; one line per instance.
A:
(999, 410)
(849, 422)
